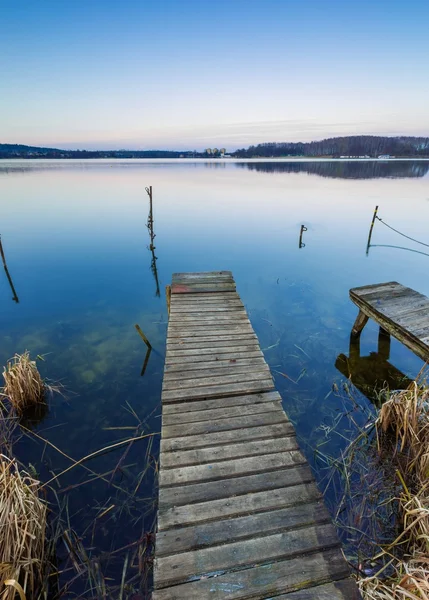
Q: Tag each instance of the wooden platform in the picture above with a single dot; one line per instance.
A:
(240, 515)
(399, 310)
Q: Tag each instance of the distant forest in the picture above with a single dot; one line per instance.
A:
(360, 145)
(370, 146)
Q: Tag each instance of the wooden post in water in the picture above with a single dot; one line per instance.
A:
(150, 218)
(370, 229)
(301, 244)
(9, 278)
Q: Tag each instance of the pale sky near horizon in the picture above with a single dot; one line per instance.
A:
(191, 74)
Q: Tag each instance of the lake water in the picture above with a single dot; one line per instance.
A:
(75, 239)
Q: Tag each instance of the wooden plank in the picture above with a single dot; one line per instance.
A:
(217, 453)
(190, 514)
(183, 375)
(376, 288)
(226, 318)
(211, 308)
(170, 570)
(228, 337)
(198, 274)
(219, 532)
(217, 391)
(214, 364)
(258, 427)
(208, 330)
(215, 380)
(238, 486)
(223, 357)
(264, 580)
(245, 400)
(194, 288)
(219, 413)
(230, 468)
(229, 348)
(196, 344)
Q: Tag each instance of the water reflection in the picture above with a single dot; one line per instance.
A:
(371, 374)
(344, 169)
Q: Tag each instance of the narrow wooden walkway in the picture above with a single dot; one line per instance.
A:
(240, 515)
(399, 310)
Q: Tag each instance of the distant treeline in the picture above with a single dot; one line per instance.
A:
(358, 145)
(370, 146)
(21, 151)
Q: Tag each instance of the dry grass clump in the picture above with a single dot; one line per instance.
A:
(24, 386)
(403, 427)
(22, 532)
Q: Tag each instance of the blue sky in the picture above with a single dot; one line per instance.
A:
(197, 73)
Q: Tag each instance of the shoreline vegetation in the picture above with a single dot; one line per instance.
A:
(383, 511)
(357, 147)
(42, 555)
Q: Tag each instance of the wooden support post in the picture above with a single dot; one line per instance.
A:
(384, 344)
(359, 324)
(168, 296)
(370, 229)
(301, 244)
(150, 218)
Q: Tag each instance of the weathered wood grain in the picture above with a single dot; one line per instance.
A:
(212, 454)
(213, 364)
(182, 375)
(266, 581)
(230, 468)
(236, 423)
(217, 391)
(247, 399)
(215, 380)
(238, 486)
(189, 514)
(256, 427)
(219, 413)
(175, 569)
(227, 530)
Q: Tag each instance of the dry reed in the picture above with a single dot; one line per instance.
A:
(22, 532)
(403, 430)
(24, 386)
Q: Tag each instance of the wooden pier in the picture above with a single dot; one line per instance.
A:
(240, 515)
(399, 310)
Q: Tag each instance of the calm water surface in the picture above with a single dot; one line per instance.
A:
(76, 243)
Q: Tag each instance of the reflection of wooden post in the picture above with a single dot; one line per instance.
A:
(359, 324)
(168, 296)
(303, 228)
(371, 228)
(384, 344)
(354, 348)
